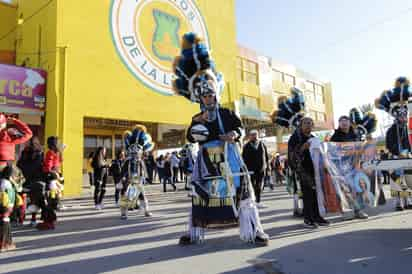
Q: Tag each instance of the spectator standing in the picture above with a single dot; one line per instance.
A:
(256, 159)
(100, 176)
(116, 169)
(89, 168)
(174, 163)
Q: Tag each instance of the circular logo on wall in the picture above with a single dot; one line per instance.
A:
(147, 34)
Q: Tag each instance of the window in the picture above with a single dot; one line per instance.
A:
(251, 77)
(239, 68)
(118, 144)
(247, 70)
(290, 80)
(275, 97)
(90, 145)
(238, 62)
(310, 97)
(319, 94)
(310, 86)
(251, 67)
(92, 142)
(277, 75)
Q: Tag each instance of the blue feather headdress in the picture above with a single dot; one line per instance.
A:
(290, 110)
(394, 101)
(195, 70)
(363, 123)
(138, 140)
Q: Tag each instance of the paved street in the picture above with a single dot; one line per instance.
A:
(90, 241)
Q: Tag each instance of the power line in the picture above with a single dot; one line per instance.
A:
(367, 29)
(26, 19)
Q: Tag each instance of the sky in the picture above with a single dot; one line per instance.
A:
(360, 46)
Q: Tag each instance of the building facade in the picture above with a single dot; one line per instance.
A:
(108, 67)
(261, 80)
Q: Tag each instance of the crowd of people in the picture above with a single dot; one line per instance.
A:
(33, 184)
(166, 169)
(225, 180)
(42, 185)
(171, 168)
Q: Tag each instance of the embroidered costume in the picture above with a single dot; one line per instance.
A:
(222, 192)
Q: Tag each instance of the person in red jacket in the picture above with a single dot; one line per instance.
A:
(51, 169)
(9, 140)
(53, 159)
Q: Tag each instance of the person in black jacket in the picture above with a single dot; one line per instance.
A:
(150, 166)
(116, 170)
(384, 156)
(397, 143)
(300, 161)
(100, 173)
(256, 159)
(397, 139)
(231, 124)
(31, 164)
(345, 132)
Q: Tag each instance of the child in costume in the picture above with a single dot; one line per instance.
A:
(8, 179)
(19, 211)
(56, 187)
(116, 170)
(222, 188)
(394, 102)
(136, 142)
(45, 198)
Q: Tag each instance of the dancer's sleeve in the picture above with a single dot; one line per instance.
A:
(236, 124)
(292, 144)
(189, 136)
(48, 162)
(24, 129)
(391, 144)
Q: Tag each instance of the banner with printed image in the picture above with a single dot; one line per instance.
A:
(341, 183)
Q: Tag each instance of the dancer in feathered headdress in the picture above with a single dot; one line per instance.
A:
(364, 124)
(290, 110)
(136, 143)
(395, 103)
(219, 177)
(289, 113)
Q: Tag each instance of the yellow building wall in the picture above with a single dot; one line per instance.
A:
(88, 79)
(37, 47)
(248, 89)
(8, 17)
